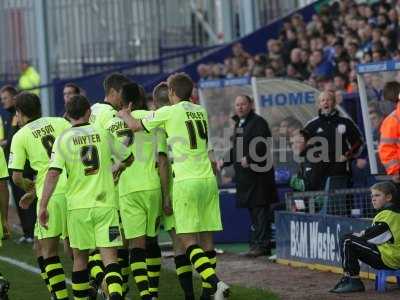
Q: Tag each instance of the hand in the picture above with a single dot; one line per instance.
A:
(244, 162)
(43, 217)
(361, 163)
(117, 170)
(27, 199)
(220, 164)
(167, 206)
(125, 113)
(30, 185)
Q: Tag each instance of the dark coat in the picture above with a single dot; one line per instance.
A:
(256, 184)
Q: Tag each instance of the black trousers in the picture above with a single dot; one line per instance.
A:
(26, 216)
(355, 248)
(260, 235)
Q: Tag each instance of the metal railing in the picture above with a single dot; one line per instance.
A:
(107, 31)
(95, 31)
(353, 202)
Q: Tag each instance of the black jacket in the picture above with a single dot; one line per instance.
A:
(10, 128)
(255, 184)
(332, 125)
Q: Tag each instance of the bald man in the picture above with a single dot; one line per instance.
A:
(337, 141)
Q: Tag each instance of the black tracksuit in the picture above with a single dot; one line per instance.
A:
(337, 137)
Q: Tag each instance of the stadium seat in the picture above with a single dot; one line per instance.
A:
(380, 278)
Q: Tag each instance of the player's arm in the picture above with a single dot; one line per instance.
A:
(213, 161)
(133, 124)
(17, 163)
(23, 183)
(49, 186)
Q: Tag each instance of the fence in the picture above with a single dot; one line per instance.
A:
(349, 202)
(96, 31)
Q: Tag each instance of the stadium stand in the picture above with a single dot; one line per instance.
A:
(323, 52)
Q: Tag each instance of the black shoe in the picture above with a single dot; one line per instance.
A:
(348, 284)
(4, 287)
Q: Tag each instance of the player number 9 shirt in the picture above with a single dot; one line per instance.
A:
(85, 151)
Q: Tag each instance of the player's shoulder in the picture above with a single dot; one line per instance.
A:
(141, 114)
(114, 124)
(105, 106)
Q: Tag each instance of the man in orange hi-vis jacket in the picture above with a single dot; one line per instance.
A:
(389, 144)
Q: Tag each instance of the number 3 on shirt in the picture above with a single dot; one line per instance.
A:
(90, 158)
(201, 129)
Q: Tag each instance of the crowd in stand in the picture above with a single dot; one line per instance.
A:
(323, 52)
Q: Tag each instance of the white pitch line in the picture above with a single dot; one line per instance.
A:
(26, 266)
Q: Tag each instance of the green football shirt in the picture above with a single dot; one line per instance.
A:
(101, 114)
(143, 174)
(85, 153)
(3, 165)
(186, 126)
(34, 142)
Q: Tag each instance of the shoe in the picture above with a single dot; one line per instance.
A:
(29, 240)
(223, 291)
(4, 287)
(272, 257)
(348, 284)
(21, 240)
(256, 252)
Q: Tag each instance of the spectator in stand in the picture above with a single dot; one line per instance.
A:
(343, 31)
(320, 66)
(340, 82)
(297, 61)
(203, 71)
(240, 54)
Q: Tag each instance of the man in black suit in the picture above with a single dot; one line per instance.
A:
(254, 173)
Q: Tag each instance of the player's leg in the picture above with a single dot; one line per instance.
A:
(196, 209)
(53, 267)
(134, 220)
(123, 260)
(112, 277)
(183, 265)
(80, 274)
(108, 239)
(207, 243)
(40, 262)
(82, 238)
(96, 268)
(48, 240)
(152, 202)
(153, 263)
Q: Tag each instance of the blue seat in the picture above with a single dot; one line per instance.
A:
(380, 278)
